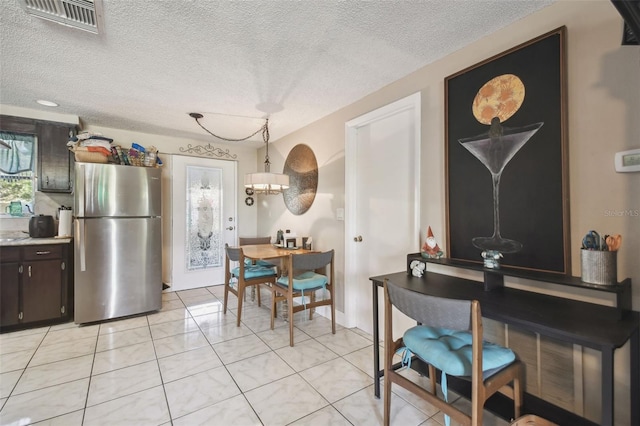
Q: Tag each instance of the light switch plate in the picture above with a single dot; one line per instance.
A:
(340, 213)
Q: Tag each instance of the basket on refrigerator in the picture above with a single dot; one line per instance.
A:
(83, 155)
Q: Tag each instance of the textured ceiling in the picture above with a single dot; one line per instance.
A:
(154, 61)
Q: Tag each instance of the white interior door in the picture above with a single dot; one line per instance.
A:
(383, 200)
(204, 212)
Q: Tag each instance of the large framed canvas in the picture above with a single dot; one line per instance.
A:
(506, 157)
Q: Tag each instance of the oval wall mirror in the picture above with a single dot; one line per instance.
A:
(302, 168)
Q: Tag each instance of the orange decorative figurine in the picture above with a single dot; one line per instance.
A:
(430, 247)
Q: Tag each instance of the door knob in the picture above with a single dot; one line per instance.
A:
(230, 228)
(357, 239)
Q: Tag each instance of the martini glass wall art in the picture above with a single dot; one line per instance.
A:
(496, 101)
(506, 163)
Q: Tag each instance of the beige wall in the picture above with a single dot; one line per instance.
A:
(603, 105)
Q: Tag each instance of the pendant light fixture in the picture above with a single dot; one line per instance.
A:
(261, 182)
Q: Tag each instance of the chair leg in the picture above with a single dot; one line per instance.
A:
(517, 394)
(274, 295)
(432, 379)
(273, 309)
(290, 303)
(333, 314)
(312, 299)
(478, 399)
(258, 291)
(387, 399)
(476, 418)
(240, 299)
(226, 297)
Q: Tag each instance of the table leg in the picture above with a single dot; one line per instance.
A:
(634, 369)
(607, 387)
(376, 343)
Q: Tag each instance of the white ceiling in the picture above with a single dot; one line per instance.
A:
(155, 61)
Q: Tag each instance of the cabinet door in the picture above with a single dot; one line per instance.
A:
(9, 296)
(41, 290)
(54, 158)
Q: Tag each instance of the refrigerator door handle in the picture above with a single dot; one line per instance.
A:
(80, 188)
(82, 245)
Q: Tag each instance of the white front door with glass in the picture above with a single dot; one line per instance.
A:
(203, 215)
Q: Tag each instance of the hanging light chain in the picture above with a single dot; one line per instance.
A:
(265, 138)
(264, 128)
(273, 185)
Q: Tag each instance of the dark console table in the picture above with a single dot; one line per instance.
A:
(602, 328)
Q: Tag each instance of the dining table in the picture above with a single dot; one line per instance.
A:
(271, 252)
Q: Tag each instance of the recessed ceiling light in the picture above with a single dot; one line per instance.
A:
(47, 103)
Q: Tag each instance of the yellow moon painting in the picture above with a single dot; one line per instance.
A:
(499, 97)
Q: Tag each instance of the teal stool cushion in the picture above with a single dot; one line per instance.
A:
(305, 281)
(253, 272)
(450, 350)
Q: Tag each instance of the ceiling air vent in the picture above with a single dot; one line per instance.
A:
(81, 14)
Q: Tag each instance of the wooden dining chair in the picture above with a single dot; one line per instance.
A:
(306, 274)
(449, 339)
(245, 275)
(246, 241)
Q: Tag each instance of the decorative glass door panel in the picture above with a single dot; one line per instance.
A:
(204, 218)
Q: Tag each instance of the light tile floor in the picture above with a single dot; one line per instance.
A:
(189, 364)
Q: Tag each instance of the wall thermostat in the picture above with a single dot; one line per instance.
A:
(628, 161)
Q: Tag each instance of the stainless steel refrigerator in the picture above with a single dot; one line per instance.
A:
(117, 241)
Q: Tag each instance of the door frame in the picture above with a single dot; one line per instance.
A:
(412, 102)
(231, 238)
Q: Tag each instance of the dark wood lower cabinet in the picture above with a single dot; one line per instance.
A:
(35, 286)
(42, 291)
(9, 294)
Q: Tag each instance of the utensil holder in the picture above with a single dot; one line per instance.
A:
(599, 267)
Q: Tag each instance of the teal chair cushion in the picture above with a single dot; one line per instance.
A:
(305, 281)
(253, 272)
(450, 350)
(249, 262)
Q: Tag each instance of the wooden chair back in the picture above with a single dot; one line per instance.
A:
(235, 254)
(296, 263)
(248, 241)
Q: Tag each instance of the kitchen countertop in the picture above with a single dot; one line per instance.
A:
(18, 238)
